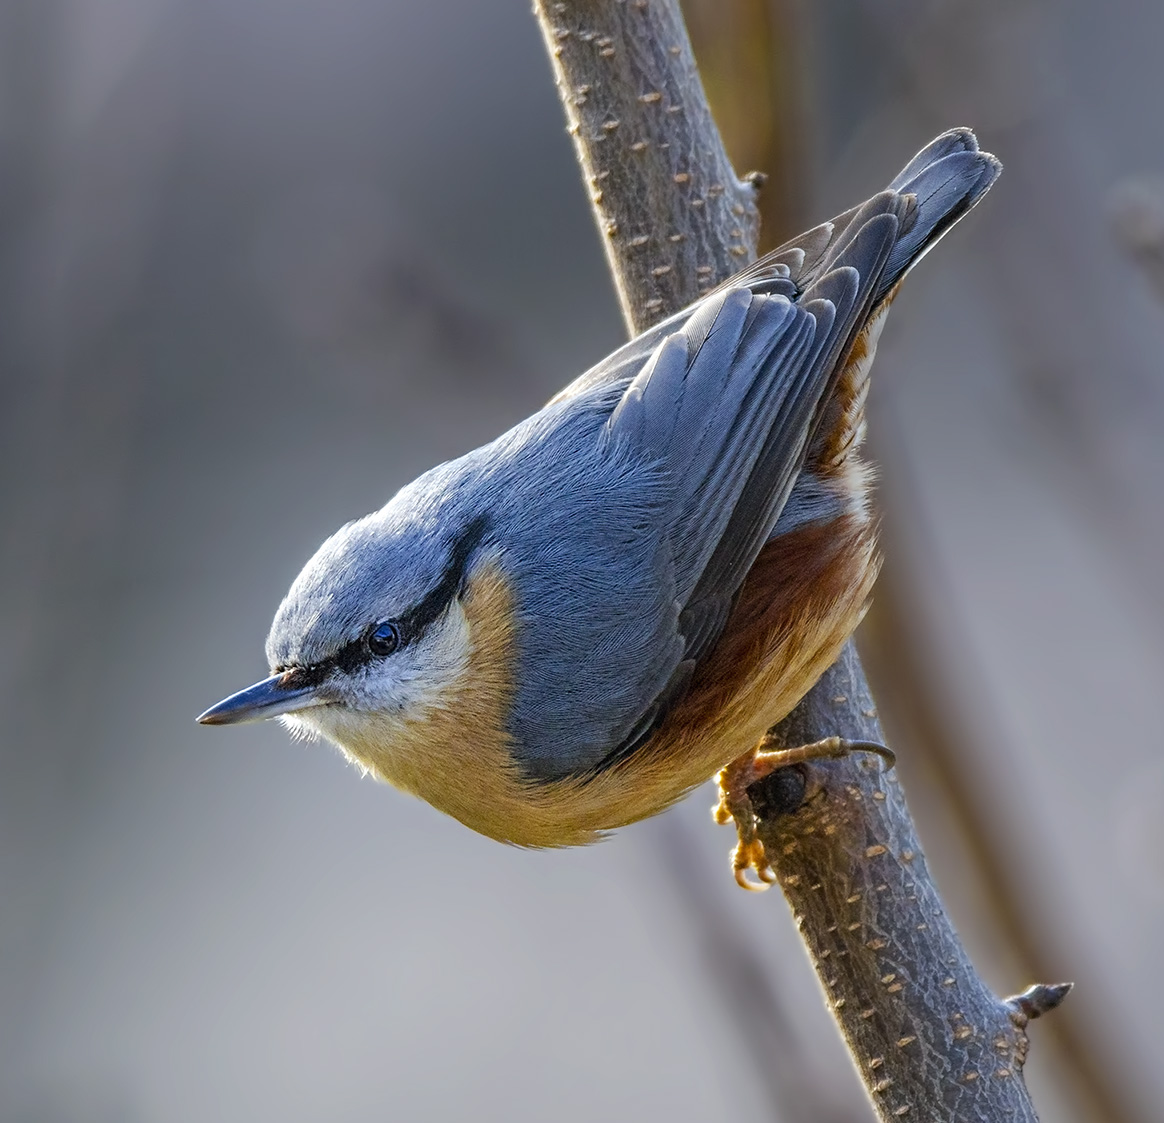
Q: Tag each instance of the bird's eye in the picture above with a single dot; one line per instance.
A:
(384, 639)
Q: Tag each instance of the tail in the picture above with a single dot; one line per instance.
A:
(946, 179)
(931, 193)
(940, 185)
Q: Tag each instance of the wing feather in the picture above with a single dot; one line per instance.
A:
(726, 396)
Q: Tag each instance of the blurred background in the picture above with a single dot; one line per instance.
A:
(260, 264)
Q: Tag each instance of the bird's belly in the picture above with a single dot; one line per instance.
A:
(802, 599)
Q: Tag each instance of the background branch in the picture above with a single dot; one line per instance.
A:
(928, 1037)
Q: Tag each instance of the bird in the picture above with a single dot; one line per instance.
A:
(572, 627)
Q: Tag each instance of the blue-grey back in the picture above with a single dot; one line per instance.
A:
(574, 523)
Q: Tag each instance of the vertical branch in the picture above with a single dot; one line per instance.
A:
(928, 1038)
(675, 219)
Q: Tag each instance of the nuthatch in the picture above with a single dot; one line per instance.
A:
(570, 628)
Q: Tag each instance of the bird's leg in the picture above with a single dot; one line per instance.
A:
(735, 803)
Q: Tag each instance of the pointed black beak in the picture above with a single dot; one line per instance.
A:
(269, 698)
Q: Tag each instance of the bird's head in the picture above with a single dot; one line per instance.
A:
(373, 629)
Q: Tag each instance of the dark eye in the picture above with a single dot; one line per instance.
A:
(384, 639)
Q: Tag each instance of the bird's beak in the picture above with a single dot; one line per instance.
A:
(269, 698)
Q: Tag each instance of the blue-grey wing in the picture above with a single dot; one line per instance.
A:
(726, 406)
(722, 399)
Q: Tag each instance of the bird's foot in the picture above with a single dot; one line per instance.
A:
(736, 805)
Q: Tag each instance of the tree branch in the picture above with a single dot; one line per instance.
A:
(674, 218)
(928, 1037)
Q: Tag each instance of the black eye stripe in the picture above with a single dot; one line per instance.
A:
(413, 623)
(410, 626)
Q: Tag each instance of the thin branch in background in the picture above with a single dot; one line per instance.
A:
(73, 379)
(750, 54)
(989, 59)
(923, 706)
(747, 53)
(769, 1039)
(946, 60)
(928, 1037)
(1136, 212)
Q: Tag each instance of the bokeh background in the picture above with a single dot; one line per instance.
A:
(261, 263)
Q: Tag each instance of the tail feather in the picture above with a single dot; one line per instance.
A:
(927, 197)
(946, 144)
(930, 194)
(940, 185)
(943, 191)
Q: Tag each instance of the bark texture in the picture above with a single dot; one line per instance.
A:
(929, 1038)
(675, 219)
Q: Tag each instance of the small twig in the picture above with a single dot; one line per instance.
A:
(1037, 1000)
(929, 1038)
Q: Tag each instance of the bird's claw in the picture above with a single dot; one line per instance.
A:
(735, 805)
